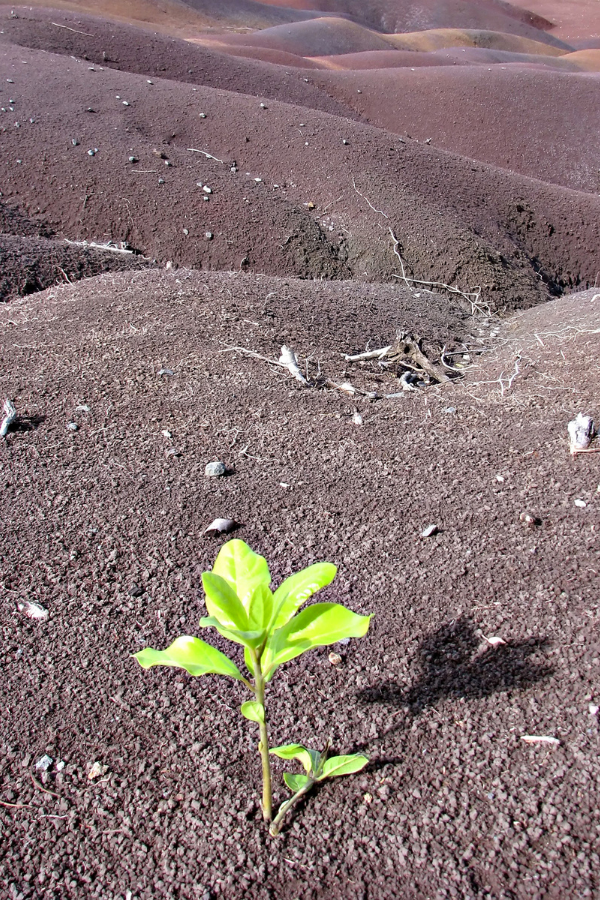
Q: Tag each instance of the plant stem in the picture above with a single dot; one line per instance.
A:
(259, 690)
(287, 806)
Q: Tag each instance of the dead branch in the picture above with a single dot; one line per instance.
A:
(10, 414)
(370, 354)
(288, 361)
(207, 155)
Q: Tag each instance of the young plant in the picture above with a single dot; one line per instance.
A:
(271, 629)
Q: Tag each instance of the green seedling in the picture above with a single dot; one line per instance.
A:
(272, 630)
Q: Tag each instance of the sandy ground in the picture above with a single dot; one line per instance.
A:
(323, 191)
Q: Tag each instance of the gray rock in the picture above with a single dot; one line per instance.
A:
(214, 469)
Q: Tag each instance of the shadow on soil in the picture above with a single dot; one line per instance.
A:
(452, 664)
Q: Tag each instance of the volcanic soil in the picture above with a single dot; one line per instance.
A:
(178, 202)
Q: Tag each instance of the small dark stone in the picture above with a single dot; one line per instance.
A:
(136, 590)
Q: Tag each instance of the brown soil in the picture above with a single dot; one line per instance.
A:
(126, 384)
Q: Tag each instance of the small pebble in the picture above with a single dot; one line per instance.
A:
(186, 231)
(166, 372)
(72, 426)
(335, 659)
(449, 410)
(133, 159)
(149, 82)
(207, 189)
(97, 770)
(580, 503)
(263, 106)
(125, 103)
(593, 709)
(202, 115)
(528, 519)
(161, 180)
(345, 142)
(60, 765)
(208, 235)
(429, 531)
(75, 142)
(91, 152)
(136, 590)
(344, 642)
(44, 763)
(258, 179)
(214, 469)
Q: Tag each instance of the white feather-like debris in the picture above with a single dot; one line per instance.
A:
(539, 739)
(220, 526)
(289, 361)
(581, 432)
(32, 610)
(10, 414)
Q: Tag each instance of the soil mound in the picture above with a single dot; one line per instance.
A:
(29, 264)
(129, 49)
(283, 194)
(319, 37)
(407, 15)
(469, 111)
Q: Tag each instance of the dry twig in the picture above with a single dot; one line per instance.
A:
(207, 155)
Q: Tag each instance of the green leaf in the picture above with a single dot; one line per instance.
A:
(295, 782)
(343, 765)
(190, 653)
(254, 711)
(242, 568)
(260, 608)
(223, 603)
(315, 626)
(298, 588)
(295, 751)
(252, 639)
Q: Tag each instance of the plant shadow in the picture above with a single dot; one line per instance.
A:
(27, 423)
(452, 664)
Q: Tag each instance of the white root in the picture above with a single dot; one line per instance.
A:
(10, 414)
(471, 297)
(97, 246)
(207, 155)
(289, 361)
(370, 354)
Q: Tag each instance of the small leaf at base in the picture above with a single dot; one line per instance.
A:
(295, 782)
(254, 711)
